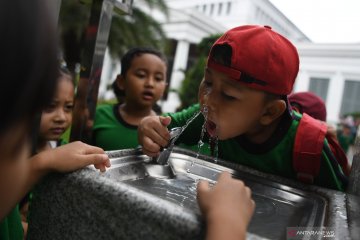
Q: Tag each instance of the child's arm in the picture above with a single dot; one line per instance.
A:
(227, 207)
(67, 158)
(153, 134)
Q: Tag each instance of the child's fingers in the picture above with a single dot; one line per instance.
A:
(100, 166)
(89, 159)
(93, 150)
(165, 120)
(150, 146)
(150, 153)
(158, 136)
(202, 187)
(224, 176)
(202, 191)
(248, 192)
(107, 163)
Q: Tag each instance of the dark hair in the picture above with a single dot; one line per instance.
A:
(119, 93)
(127, 59)
(28, 64)
(65, 73)
(221, 54)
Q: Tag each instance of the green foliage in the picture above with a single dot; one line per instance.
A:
(189, 89)
(139, 29)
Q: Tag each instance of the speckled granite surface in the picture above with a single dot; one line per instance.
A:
(83, 205)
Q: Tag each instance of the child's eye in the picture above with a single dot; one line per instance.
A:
(140, 75)
(69, 107)
(159, 78)
(226, 96)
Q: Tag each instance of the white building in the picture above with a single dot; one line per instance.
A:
(332, 71)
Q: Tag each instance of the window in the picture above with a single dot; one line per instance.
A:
(211, 9)
(319, 86)
(228, 8)
(351, 97)
(220, 8)
(204, 8)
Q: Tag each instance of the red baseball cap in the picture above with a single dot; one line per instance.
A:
(261, 58)
(308, 102)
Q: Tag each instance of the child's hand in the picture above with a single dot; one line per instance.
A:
(153, 134)
(227, 207)
(73, 156)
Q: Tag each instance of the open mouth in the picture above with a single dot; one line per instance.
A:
(147, 95)
(211, 128)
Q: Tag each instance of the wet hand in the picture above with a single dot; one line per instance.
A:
(153, 134)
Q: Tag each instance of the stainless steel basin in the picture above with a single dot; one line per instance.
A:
(137, 199)
(277, 206)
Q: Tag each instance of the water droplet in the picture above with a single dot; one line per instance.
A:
(203, 130)
(188, 170)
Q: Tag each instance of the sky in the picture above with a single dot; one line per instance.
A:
(324, 21)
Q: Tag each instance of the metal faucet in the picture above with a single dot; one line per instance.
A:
(163, 158)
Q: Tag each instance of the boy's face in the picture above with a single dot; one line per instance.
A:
(144, 83)
(233, 109)
(57, 116)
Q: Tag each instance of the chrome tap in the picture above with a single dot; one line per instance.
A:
(163, 158)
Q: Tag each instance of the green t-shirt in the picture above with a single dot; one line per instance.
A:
(111, 132)
(11, 227)
(274, 156)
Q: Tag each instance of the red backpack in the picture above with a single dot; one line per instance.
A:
(308, 147)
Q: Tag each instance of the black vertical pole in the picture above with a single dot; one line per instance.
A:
(97, 33)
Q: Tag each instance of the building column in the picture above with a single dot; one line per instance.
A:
(177, 76)
(302, 82)
(335, 96)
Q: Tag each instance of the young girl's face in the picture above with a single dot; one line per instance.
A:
(145, 81)
(57, 116)
(233, 109)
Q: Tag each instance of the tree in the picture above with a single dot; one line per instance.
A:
(189, 88)
(139, 29)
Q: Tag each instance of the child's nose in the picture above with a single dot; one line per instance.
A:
(150, 81)
(60, 115)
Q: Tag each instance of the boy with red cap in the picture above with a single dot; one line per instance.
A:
(243, 96)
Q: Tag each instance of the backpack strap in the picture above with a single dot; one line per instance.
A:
(308, 145)
(339, 153)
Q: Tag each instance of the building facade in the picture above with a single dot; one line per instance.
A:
(332, 71)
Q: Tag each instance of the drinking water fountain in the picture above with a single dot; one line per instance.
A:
(137, 198)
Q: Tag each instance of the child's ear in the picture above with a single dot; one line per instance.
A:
(273, 110)
(120, 82)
